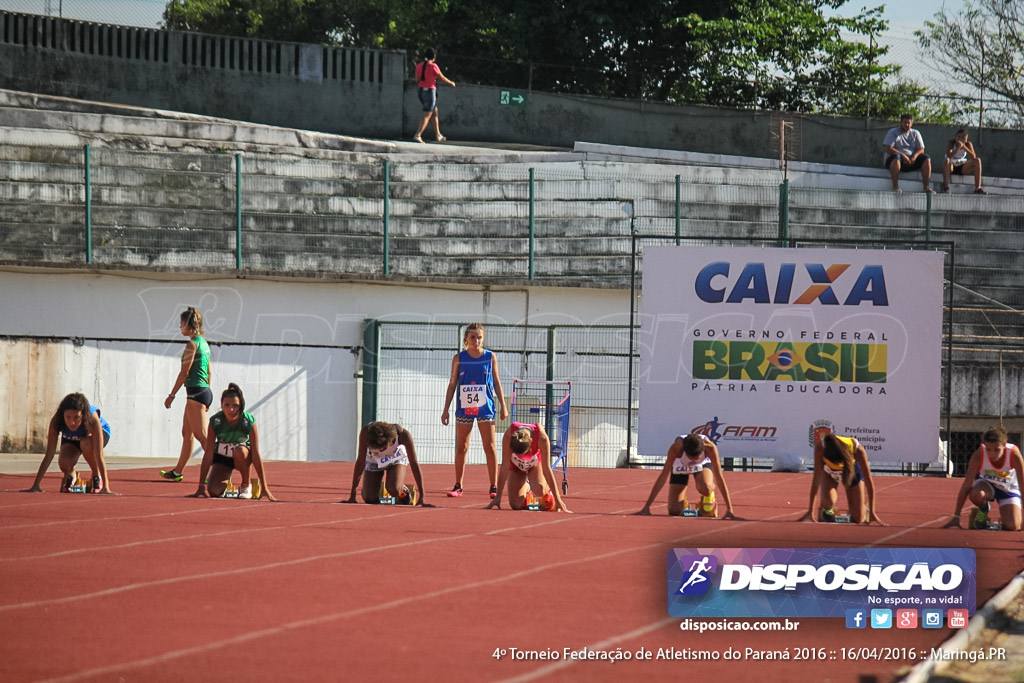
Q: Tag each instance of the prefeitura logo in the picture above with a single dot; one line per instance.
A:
(816, 582)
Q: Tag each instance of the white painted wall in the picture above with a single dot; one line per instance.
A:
(306, 400)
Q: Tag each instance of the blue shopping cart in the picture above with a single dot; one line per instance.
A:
(549, 404)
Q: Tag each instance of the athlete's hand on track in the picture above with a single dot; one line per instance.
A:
(496, 503)
(645, 511)
(200, 493)
(264, 493)
(730, 515)
(808, 516)
(875, 518)
(954, 521)
(350, 499)
(34, 489)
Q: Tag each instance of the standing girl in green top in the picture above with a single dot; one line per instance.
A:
(194, 375)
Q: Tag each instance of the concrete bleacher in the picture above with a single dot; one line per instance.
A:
(164, 197)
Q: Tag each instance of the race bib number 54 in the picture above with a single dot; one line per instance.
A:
(471, 397)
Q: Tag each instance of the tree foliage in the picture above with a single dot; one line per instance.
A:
(983, 47)
(774, 54)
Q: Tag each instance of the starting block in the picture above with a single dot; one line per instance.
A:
(836, 519)
(989, 526)
(690, 510)
(80, 487)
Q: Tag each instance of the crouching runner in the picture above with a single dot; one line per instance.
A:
(385, 451)
(525, 454)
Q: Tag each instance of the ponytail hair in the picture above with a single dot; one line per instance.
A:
(233, 391)
(193, 319)
(837, 451)
(429, 55)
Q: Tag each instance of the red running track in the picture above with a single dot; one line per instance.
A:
(153, 586)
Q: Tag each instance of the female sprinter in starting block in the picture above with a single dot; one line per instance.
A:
(692, 454)
(842, 460)
(84, 432)
(525, 455)
(232, 443)
(384, 451)
(994, 473)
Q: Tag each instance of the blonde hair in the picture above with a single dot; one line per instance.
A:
(193, 319)
(470, 328)
(519, 441)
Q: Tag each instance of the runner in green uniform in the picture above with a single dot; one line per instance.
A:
(194, 375)
(232, 443)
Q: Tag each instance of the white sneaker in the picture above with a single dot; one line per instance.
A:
(245, 492)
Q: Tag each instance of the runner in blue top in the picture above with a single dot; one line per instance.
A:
(475, 377)
(194, 375)
(232, 443)
(83, 431)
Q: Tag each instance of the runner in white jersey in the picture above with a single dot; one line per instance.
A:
(994, 473)
(384, 453)
(693, 454)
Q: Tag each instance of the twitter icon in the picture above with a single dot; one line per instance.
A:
(881, 618)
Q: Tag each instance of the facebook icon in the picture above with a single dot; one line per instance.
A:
(856, 618)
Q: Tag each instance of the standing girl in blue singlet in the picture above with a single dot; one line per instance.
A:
(697, 455)
(994, 474)
(84, 432)
(475, 377)
(842, 460)
(194, 375)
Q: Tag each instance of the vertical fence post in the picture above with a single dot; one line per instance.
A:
(238, 212)
(371, 360)
(784, 210)
(549, 375)
(387, 216)
(88, 205)
(928, 217)
(679, 206)
(533, 200)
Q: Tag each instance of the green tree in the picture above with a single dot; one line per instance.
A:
(776, 54)
(983, 48)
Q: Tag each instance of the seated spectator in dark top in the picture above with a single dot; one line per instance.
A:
(961, 160)
(904, 151)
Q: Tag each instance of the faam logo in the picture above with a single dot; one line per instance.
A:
(696, 580)
(716, 430)
(714, 285)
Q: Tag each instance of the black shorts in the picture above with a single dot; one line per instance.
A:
(78, 442)
(958, 170)
(200, 394)
(680, 479)
(916, 166)
(224, 460)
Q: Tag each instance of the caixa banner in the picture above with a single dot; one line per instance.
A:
(817, 582)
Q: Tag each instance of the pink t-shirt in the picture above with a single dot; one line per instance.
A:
(426, 75)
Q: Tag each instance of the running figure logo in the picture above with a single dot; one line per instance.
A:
(696, 580)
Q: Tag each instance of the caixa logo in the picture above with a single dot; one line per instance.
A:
(715, 285)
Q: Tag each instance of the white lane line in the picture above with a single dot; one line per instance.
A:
(328, 618)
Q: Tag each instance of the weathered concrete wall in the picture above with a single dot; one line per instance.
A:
(358, 92)
(294, 348)
(471, 112)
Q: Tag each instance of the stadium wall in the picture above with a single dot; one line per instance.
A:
(294, 347)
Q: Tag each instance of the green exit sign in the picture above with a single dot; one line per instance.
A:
(511, 97)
